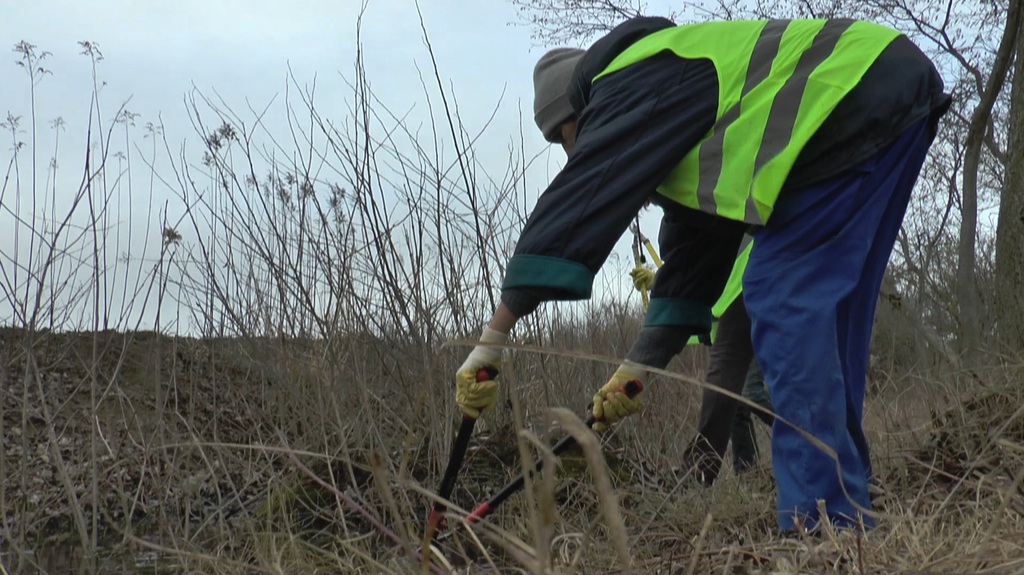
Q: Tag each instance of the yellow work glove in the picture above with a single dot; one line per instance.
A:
(611, 402)
(643, 278)
(474, 394)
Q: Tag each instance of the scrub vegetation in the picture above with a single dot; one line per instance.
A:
(239, 359)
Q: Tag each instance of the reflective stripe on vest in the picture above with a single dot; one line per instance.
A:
(778, 82)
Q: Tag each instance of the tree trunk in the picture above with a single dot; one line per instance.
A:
(967, 289)
(1010, 228)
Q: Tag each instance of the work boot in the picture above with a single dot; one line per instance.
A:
(700, 464)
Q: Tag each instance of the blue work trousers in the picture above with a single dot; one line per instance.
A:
(810, 288)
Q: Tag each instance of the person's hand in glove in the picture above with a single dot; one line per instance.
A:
(611, 402)
(471, 395)
(643, 278)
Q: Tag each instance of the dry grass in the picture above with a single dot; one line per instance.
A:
(349, 493)
(291, 411)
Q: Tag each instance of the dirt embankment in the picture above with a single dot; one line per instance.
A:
(120, 421)
(175, 434)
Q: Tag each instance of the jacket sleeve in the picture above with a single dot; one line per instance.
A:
(637, 126)
(699, 251)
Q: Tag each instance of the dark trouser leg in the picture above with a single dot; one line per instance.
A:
(730, 357)
(744, 441)
(755, 390)
(744, 437)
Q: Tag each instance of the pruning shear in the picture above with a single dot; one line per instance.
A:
(642, 240)
(435, 521)
(631, 389)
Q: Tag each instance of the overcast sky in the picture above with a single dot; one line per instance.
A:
(155, 53)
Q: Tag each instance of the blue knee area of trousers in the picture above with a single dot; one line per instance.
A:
(810, 288)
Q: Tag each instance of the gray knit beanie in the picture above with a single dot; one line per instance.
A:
(551, 78)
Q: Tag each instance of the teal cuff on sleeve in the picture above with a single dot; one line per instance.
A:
(678, 312)
(566, 280)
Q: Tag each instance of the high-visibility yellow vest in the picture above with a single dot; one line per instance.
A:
(734, 285)
(733, 289)
(778, 80)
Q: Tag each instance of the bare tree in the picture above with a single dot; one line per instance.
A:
(1010, 228)
(573, 21)
(967, 291)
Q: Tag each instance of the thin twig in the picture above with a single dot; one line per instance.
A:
(351, 504)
